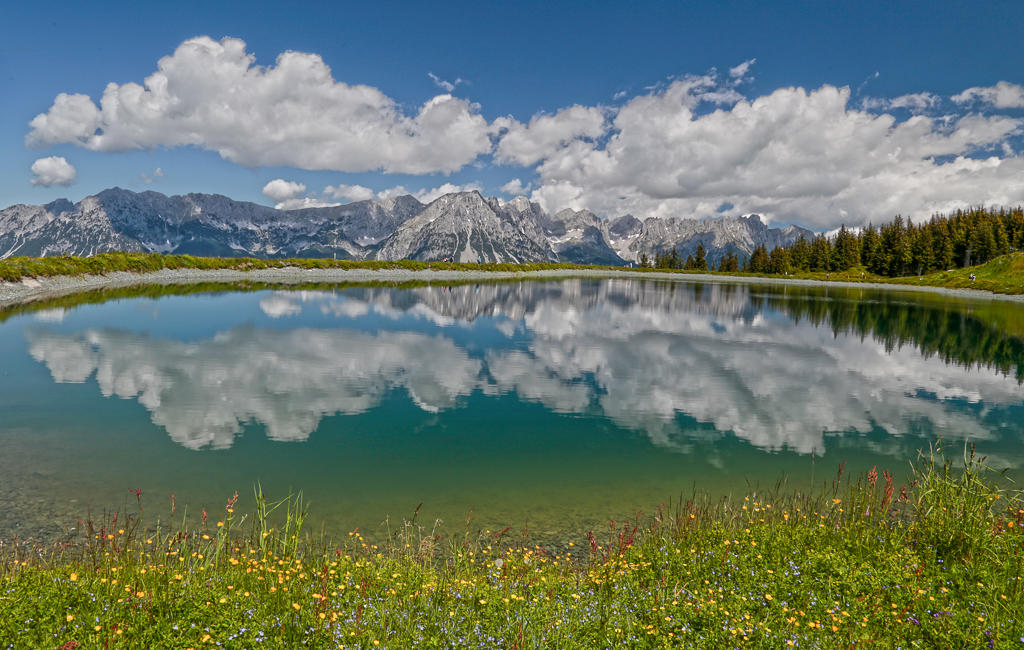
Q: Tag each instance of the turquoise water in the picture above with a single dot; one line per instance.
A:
(545, 406)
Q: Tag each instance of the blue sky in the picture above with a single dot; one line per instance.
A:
(812, 112)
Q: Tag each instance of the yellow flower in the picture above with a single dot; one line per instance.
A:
(70, 617)
(297, 606)
(74, 577)
(96, 628)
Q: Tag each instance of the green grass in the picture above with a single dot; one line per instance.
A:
(936, 563)
(16, 268)
(1002, 275)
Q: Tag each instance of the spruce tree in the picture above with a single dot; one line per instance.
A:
(700, 262)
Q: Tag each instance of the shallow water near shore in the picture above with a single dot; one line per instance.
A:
(550, 407)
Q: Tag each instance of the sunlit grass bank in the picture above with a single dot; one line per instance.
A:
(16, 268)
(866, 562)
(1002, 275)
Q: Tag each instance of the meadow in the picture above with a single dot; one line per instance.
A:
(1004, 275)
(936, 562)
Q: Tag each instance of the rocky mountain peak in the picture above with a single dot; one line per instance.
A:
(461, 226)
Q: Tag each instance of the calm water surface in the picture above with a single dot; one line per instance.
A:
(550, 406)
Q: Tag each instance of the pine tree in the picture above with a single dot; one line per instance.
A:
(922, 252)
(799, 254)
(847, 250)
(700, 262)
(729, 263)
(821, 254)
(758, 262)
(778, 260)
(870, 247)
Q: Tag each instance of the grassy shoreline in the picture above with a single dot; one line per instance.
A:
(1003, 275)
(935, 563)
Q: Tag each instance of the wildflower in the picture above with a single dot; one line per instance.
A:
(70, 617)
(74, 577)
(296, 606)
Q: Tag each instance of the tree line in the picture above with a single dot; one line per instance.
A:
(898, 248)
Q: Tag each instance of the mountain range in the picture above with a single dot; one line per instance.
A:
(462, 227)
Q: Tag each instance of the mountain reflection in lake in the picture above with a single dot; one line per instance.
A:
(722, 374)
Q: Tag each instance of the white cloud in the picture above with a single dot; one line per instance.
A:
(282, 190)
(426, 195)
(525, 144)
(362, 193)
(515, 187)
(147, 179)
(211, 94)
(798, 155)
(447, 86)
(203, 392)
(1002, 95)
(285, 195)
(914, 102)
(625, 350)
(349, 192)
(300, 203)
(740, 71)
(53, 170)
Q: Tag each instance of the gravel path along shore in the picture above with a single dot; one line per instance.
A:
(35, 289)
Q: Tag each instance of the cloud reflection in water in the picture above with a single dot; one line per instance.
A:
(640, 354)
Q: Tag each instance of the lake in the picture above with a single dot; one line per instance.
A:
(548, 406)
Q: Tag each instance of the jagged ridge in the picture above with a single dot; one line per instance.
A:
(464, 226)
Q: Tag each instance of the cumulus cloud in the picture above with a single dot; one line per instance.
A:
(285, 195)
(740, 71)
(282, 190)
(447, 86)
(301, 203)
(683, 147)
(800, 155)
(349, 192)
(428, 194)
(1002, 95)
(53, 170)
(525, 144)
(515, 187)
(211, 94)
(148, 179)
(352, 193)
